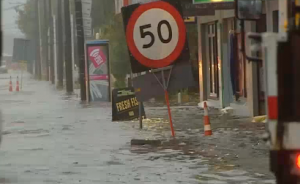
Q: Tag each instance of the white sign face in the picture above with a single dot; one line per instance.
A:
(156, 34)
(86, 8)
(88, 32)
(87, 22)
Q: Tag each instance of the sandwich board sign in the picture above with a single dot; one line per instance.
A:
(155, 34)
(125, 105)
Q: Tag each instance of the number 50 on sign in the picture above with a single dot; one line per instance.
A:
(155, 34)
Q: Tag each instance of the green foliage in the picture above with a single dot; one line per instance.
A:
(26, 19)
(119, 57)
(103, 12)
(111, 25)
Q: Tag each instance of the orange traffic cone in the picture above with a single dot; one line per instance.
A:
(17, 87)
(10, 85)
(207, 128)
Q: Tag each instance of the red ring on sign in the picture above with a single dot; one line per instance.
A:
(181, 30)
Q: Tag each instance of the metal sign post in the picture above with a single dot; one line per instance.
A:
(156, 39)
(141, 114)
(165, 84)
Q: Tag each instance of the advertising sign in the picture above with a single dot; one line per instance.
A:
(155, 34)
(125, 105)
(97, 57)
(190, 20)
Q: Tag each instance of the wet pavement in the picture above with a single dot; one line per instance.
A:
(52, 138)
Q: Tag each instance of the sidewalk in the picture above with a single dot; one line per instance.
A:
(236, 142)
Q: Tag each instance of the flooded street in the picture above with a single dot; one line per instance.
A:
(52, 138)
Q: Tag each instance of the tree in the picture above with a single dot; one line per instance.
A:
(111, 25)
(103, 12)
(119, 57)
(26, 19)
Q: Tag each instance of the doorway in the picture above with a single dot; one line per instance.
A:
(213, 60)
(261, 27)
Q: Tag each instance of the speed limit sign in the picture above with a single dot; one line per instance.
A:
(155, 34)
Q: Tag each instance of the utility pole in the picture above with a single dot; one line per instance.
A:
(45, 39)
(51, 35)
(37, 42)
(80, 47)
(68, 48)
(59, 37)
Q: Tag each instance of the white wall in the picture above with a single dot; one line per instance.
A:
(118, 5)
(270, 6)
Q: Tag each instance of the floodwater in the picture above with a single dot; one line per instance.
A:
(51, 138)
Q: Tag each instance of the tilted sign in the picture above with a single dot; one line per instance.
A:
(181, 77)
(125, 105)
(155, 34)
(23, 50)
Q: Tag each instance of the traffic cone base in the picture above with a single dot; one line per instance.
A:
(17, 87)
(207, 127)
(207, 130)
(10, 85)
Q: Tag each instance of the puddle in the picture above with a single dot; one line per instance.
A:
(38, 131)
(223, 178)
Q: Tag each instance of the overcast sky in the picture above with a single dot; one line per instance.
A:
(9, 17)
(9, 26)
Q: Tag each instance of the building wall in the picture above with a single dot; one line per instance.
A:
(269, 8)
(222, 44)
(251, 103)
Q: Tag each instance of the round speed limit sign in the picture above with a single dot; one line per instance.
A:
(156, 34)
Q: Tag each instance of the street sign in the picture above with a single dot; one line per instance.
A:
(125, 105)
(190, 9)
(147, 87)
(155, 34)
(88, 32)
(86, 8)
(87, 22)
(190, 20)
(211, 1)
